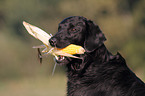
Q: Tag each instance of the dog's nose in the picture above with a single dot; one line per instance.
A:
(52, 42)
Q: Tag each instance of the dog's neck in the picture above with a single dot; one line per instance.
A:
(101, 54)
(77, 68)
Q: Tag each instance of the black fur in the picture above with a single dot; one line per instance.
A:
(98, 73)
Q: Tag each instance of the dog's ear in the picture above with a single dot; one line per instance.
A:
(94, 37)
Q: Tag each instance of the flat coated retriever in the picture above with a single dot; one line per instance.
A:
(98, 72)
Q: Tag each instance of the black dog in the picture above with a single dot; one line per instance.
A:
(98, 73)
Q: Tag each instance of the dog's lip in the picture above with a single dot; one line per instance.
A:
(61, 60)
(60, 47)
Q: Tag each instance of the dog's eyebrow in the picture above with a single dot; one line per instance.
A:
(79, 23)
(71, 25)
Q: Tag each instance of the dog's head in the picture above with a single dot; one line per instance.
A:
(80, 31)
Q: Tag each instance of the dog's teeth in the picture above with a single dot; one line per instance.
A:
(62, 57)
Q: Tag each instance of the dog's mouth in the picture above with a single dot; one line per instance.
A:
(62, 60)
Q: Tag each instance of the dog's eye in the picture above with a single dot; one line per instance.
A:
(75, 29)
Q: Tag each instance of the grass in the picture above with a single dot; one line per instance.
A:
(42, 86)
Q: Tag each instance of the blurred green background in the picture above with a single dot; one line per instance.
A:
(122, 21)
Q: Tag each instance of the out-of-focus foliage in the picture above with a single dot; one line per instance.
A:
(122, 21)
